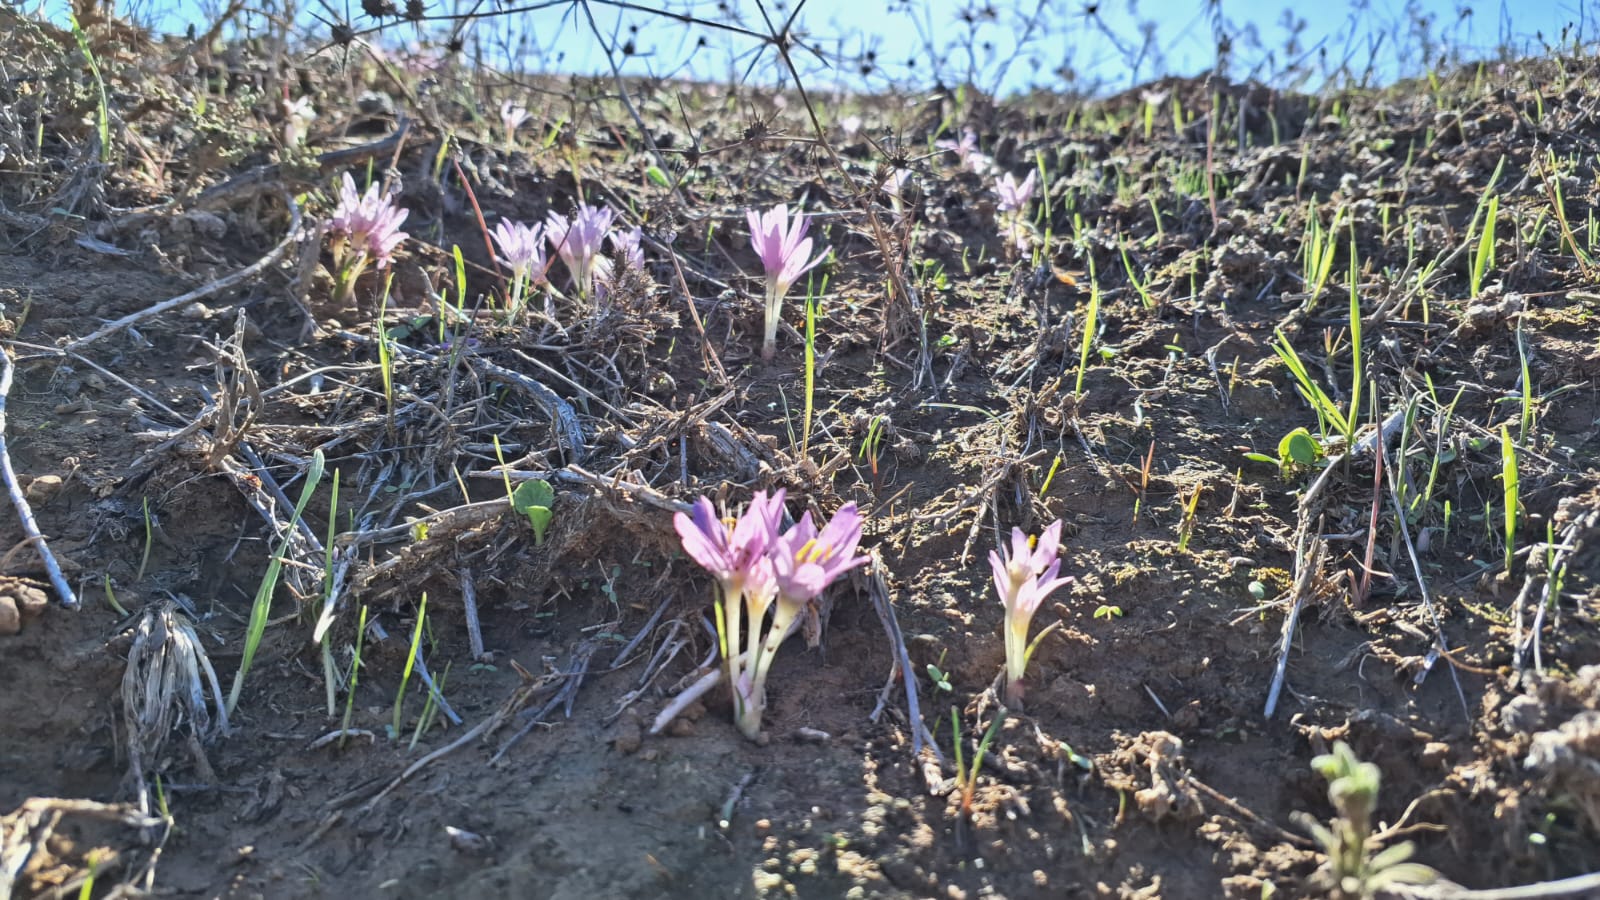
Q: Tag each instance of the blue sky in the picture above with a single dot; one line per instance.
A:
(1123, 43)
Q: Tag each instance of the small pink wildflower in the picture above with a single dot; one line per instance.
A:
(1015, 196)
(577, 241)
(1023, 579)
(627, 249)
(512, 116)
(521, 249)
(364, 228)
(783, 247)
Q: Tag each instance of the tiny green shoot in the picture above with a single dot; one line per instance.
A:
(1509, 483)
(149, 535)
(355, 677)
(262, 603)
(411, 662)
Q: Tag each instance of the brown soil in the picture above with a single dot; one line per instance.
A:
(1084, 790)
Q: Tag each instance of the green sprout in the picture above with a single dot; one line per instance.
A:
(355, 677)
(262, 603)
(411, 662)
(939, 677)
(535, 499)
(967, 779)
(1356, 866)
(1186, 525)
(1297, 450)
(149, 534)
(1510, 484)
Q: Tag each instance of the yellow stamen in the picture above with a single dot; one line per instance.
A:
(813, 552)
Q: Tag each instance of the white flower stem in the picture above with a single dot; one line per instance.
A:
(1016, 639)
(769, 342)
(783, 619)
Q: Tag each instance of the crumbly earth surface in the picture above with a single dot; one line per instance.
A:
(955, 397)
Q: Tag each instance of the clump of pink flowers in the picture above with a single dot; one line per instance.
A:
(1023, 578)
(760, 567)
(785, 253)
(365, 228)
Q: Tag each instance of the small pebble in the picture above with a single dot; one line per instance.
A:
(629, 737)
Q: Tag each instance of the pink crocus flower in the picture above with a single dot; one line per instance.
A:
(1023, 579)
(627, 248)
(369, 221)
(963, 148)
(1015, 196)
(364, 228)
(578, 241)
(521, 249)
(966, 150)
(737, 556)
(804, 563)
(626, 243)
(784, 249)
(512, 116)
(727, 550)
(753, 563)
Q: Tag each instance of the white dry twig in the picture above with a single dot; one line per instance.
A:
(204, 291)
(30, 527)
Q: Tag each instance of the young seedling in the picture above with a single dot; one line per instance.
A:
(535, 499)
(149, 536)
(936, 674)
(1483, 251)
(1091, 321)
(967, 779)
(1186, 524)
(319, 632)
(1330, 419)
(1317, 252)
(1297, 450)
(813, 303)
(411, 662)
(1510, 499)
(386, 355)
(1355, 866)
(262, 604)
(1525, 421)
(1055, 466)
(872, 447)
(1144, 480)
(102, 117)
(430, 709)
(355, 677)
(1140, 286)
